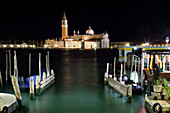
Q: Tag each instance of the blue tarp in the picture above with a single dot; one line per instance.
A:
(34, 78)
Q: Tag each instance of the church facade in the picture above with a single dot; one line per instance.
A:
(89, 40)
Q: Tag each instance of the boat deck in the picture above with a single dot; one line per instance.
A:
(7, 100)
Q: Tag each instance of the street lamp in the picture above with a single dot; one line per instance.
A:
(167, 40)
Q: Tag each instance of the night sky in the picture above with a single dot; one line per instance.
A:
(124, 21)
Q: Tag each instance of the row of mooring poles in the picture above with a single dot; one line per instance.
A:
(123, 69)
(40, 65)
(31, 83)
(142, 68)
(134, 63)
(29, 64)
(8, 62)
(14, 80)
(114, 70)
(6, 72)
(8, 69)
(137, 66)
(38, 79)
(47, 64)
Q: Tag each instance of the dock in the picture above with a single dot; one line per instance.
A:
(119, 86)
(149, 104)
(46, 83)
(123, 89)
(7, 103)
(48, 78)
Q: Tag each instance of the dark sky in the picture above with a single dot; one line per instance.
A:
(124, 21)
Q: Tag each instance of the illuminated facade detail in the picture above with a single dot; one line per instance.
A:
(105, 41)
(91, 40)
(54, 43)
(64, 27)
(90, 31)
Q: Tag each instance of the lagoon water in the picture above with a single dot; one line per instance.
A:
(78, 87)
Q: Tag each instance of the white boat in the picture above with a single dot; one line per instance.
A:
(7, 103)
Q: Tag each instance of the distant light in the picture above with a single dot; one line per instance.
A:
(18, 46)
(33, 45)
(127, 44)
(79, 45)
(25, 45)
(168, 48)
(45, 46)
(4, 45)
(56, 45)
(11, 45)
(30, 45)
(146, 44)
(22, 45)
(143, 44)
(95, 45)
(167, 39)
(135, 48)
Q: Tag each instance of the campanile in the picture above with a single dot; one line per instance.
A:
(64, 27)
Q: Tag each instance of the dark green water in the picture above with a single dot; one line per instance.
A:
(79, 86)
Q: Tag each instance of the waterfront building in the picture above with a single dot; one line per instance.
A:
(89, 40)
(23, 45)
(86, 41)
(53, 43)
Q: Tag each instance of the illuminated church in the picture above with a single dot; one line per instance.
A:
(86, 41)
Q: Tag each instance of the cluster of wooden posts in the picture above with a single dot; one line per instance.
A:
(119, 86)
(43, 79)
(47, 78)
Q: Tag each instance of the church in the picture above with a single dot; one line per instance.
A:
(89, 40)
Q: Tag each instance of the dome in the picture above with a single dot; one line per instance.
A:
(90, 31)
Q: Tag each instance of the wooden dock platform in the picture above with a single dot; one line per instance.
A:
(7, 103)
(149, 103)
(123, 89)
(46, 83)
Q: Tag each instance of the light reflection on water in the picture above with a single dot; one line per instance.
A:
(79, 87)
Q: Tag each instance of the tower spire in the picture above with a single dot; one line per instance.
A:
(64, 16)
(64, 27)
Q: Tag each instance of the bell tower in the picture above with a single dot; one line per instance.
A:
(64, 27)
